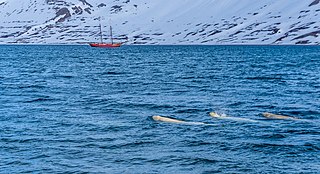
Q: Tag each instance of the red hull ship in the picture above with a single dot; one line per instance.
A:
(105, 45)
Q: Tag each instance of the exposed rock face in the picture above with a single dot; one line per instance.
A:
(161, 21)
(64, 12)
(315, 2)
(86, 3)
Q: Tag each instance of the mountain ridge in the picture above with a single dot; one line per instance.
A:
(208, 22)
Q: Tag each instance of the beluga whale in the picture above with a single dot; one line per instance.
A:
(223, 116)
(176, 121)
(279, 117)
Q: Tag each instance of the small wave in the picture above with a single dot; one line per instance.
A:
(188, 111)
(32, 86)
(112, 73)
(196, 161)
(41, 156)
(64, 76)
(312, 147)
(264, 106)
(127, 145)
(89, 145)
(239, 103)
(9, 140)
(15, 140)
(198, 143)
(274, 136)
(303, 131)
(283, 148)
(67, 76)
(270, 146)
(42, 99)
(17, 163)
(142, 105)
(308, 113)
(264, 78)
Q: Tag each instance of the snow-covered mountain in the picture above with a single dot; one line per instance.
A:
(161, 21)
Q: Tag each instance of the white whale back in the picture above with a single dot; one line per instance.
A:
(223, 116)
(172, 120)
(276, 116)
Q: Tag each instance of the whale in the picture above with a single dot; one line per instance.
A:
(280, 117)
(176, 121)
(223, 116)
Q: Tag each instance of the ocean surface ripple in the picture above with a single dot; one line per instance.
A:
(76, 109)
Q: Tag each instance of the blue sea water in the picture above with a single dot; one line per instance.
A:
(77, 109)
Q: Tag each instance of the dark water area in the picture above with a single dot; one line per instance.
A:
(77, 109)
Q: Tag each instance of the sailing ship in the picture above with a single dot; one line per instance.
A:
(102, 44)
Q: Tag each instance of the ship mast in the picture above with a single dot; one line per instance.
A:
(100, 33)
(100, 28)
(111, 35)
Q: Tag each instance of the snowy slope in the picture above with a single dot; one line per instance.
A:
(162, 21)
